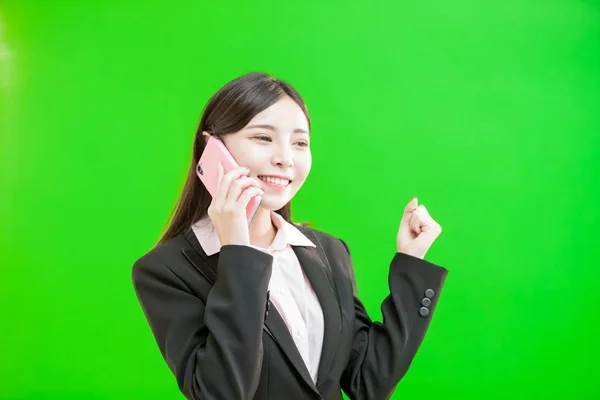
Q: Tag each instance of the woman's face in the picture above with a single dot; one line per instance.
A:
(275, 145)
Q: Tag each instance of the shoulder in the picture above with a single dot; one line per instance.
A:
(158, 259)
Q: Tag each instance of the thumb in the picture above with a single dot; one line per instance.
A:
(409, 209)
(426, 238)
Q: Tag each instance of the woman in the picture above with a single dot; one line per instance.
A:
(269, 310)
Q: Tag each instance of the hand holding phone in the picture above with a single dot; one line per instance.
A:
(232, 190)
(228, 207)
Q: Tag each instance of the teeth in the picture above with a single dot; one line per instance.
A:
(276, 181)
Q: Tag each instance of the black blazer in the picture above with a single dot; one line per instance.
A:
(223, 339)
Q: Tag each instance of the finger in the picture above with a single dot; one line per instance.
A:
(427, 224)
(236, 189)
(415, 223)
(409, 209)
(422, 211)
(426, 219)
(429, 235)
(226, 180)
(235, 173)
(255, 182)
(248, 194)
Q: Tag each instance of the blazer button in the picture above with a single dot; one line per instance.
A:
(429, 293)
(426, 301)
(424, 311)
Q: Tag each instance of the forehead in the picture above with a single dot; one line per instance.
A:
(284, 115)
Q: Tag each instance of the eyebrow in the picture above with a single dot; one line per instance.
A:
(272, 128)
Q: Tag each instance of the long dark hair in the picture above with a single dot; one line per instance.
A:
(228, 111)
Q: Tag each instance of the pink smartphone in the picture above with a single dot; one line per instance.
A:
(215, 152)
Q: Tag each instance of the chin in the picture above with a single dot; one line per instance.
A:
(272, 205)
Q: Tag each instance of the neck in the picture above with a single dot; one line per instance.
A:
(261, 229)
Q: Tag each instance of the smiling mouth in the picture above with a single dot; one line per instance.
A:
(274, 181)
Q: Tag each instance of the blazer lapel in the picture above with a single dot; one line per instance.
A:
(316, 267)
(207, 265)
(274, 324)
(318, 270)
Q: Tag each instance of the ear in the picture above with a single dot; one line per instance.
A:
(206, 135)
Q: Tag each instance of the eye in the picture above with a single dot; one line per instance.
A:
(263, 138)
(302, 143)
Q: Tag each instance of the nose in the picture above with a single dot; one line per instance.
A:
(283, 157)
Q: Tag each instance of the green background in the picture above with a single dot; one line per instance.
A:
(489, 111)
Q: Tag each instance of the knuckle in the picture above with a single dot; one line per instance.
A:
(238, 183)
(232, 175)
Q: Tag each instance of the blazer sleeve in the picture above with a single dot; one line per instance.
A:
(213, 349)
(382, 352)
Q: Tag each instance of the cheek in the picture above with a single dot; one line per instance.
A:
(303, 165)
(248, 159)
